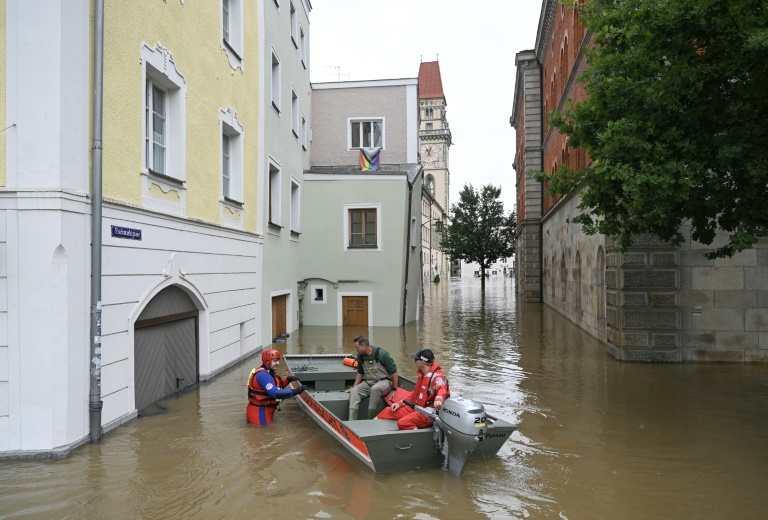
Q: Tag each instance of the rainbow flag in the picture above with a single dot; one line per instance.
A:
(369, 159)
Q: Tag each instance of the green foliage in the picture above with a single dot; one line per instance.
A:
(437, 278)
(479, 231)
(676, 122)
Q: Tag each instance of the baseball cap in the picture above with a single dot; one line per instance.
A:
(424, 354)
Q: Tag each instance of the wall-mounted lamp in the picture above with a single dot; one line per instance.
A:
(438, 225)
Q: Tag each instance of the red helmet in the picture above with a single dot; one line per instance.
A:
(269, 355)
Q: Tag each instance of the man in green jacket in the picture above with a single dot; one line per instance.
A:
(376, 377)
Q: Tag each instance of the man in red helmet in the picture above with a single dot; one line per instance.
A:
(266, 389)
(430, 391)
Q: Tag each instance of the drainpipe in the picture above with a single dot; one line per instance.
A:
(541, 156)
(95, 404)
(408, 239)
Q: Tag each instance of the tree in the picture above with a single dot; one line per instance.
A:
(478, 230)
(676, 122)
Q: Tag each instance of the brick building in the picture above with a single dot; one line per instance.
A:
(652, 303)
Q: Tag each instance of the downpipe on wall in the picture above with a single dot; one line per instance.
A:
(95, 403)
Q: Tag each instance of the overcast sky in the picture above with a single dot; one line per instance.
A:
(475, 43)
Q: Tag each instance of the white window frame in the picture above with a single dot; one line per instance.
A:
(274, 191)
(151, 132)
(345, 229)
(159, 69)
(231, 127)
(294, 25)
(321, 287)
(304, 132)
(303, 46)
(353, 120)
(232, 31)
(295, 205)
(276, 80)
(295, 112)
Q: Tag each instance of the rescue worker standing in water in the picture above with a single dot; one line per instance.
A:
(266, 389)
(376, 377)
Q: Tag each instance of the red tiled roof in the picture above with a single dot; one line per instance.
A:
(430, 83)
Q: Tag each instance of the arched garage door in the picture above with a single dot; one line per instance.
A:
(165, 341)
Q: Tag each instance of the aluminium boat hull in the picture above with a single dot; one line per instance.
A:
(376, 443)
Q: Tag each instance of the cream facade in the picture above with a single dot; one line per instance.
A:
(286, 144)
(182, 251)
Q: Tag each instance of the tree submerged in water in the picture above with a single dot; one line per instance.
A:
(479, 231)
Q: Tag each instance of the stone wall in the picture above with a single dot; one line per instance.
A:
(723, 304)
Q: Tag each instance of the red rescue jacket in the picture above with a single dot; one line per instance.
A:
(257, 396)
(430, 385)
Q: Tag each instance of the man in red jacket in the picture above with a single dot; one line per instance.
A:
(430, 391)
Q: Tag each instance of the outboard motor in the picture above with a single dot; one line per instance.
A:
(460, 427)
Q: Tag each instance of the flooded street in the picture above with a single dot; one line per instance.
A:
(598, 439)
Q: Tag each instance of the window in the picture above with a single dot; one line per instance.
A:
(231, 156)
(362, 227)
(366, 133)
(318, 293)
(164, 114)
(303, 46)
(429, 126)
(294, 26)
(294, 113)
(225, 175)
(232, 30)
(155, 136)
(429, 113)
(303, 132)
(275, 81)
(225, 19)
(274, 194)
(295, 205)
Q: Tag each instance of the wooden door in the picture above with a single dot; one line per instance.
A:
(355, 310)
(279, 305)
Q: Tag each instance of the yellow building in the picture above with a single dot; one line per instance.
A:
(181, 255)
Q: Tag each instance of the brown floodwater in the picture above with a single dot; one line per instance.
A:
(598, 439)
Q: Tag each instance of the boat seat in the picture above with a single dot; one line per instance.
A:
(371, 427)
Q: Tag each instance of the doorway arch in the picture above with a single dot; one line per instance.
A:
(166, 341)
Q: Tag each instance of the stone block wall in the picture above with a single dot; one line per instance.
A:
(574, 270)
(724, 304)
(643, 301)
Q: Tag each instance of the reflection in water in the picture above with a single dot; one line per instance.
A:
(598, 439)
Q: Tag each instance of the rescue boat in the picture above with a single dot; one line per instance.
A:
(461, 432)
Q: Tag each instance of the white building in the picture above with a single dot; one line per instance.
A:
(286, 141)
(181, 266)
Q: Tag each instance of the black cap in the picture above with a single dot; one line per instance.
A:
(425, 355)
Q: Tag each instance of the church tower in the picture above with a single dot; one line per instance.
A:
(435, 140)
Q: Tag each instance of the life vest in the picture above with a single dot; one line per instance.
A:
(257, 396)
(425, 392)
